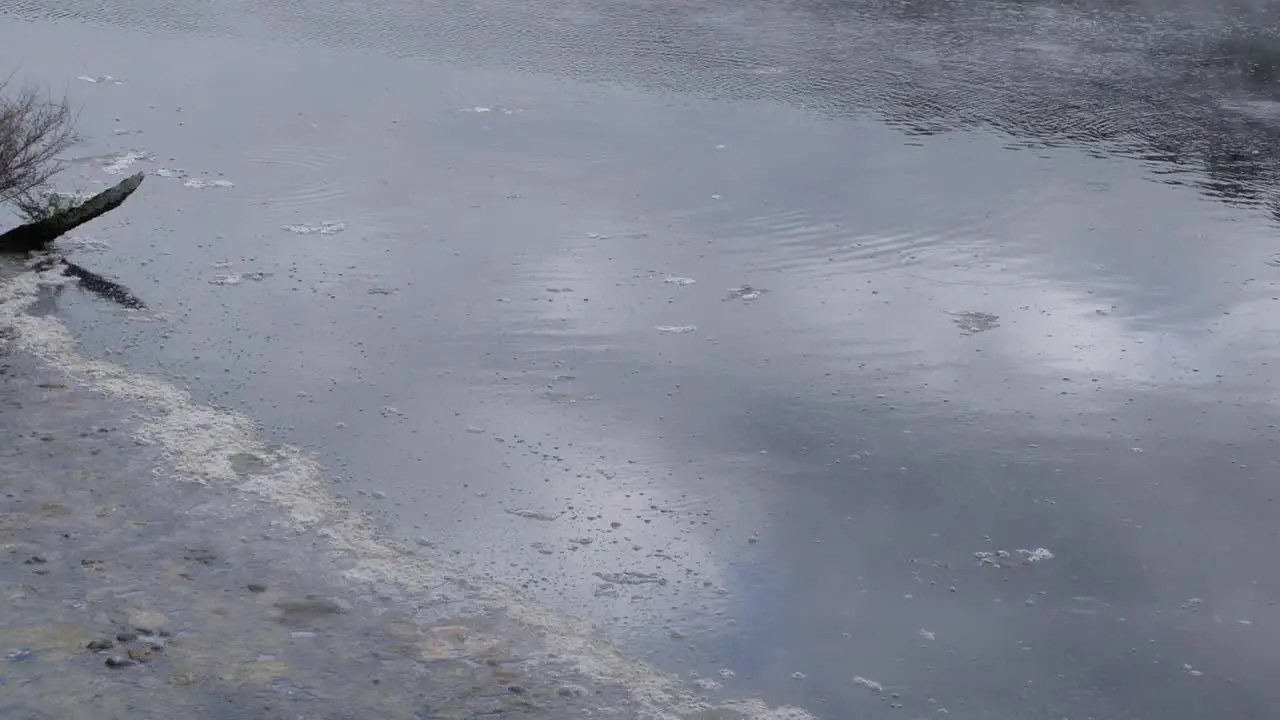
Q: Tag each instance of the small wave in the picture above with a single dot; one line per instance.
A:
(801, 240)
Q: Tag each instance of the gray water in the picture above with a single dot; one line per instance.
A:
(876, 358)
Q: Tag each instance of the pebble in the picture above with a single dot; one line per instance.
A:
(100, 645)
(571, 691)
(140, 619)
(313, 607)
(154, 642)
(115, 661)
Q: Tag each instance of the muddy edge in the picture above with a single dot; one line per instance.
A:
(159, 562)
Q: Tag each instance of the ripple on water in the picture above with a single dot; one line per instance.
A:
(801, 241)
(297, 178)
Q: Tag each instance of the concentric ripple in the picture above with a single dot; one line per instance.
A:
(297, 178)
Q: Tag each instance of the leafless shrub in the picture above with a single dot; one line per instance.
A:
(34, 130)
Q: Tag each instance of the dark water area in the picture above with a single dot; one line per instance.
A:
(883, 359)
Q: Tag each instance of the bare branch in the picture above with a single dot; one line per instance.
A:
(34, 130)
(38, 234)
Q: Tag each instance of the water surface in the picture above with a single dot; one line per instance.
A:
(861, 355)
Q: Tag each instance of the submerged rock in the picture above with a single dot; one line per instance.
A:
(310, 608)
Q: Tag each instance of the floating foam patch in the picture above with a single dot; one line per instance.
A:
(324, 228)
(202, 184)
(119, 163)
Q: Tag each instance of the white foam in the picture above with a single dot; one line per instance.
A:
(201, 184)
(706, 684)
(1037, 555)
(1021, 556)
(329, 227)
(120, 163)
(488, 109)
(869, 684)
(746, 293)
(199, 442)
(86, 243)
